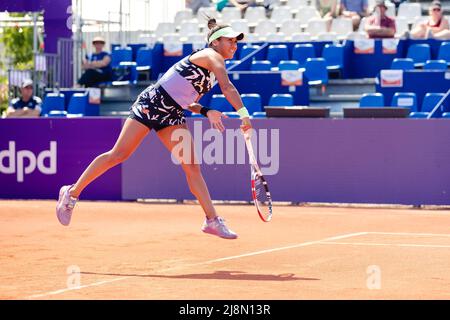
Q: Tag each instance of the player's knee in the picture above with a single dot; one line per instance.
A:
(191, 169)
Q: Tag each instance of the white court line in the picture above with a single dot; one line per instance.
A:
(299, 245)
(387, 244)
(412, 234)
(51, 293)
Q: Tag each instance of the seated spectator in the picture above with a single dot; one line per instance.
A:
(328, 10)
(27, 105)
(436, 26)
(379, 25)
(354, 9)
(97, 67)
(194, 5)
(241, 4)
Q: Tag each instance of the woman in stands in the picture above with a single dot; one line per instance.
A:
(437, 26)
(97, 67)
(160, 107)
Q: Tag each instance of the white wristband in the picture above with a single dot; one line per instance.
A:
(243, 113)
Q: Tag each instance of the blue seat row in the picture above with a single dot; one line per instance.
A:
(404, 99)
(420, 56)
(251, 101)
(54, 106)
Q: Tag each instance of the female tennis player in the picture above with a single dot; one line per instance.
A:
(160, 107)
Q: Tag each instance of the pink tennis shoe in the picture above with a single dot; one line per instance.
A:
(65, 205)
(218, 228)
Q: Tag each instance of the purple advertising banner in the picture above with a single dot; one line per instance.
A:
(394, 161)
(38, 156)
(56, 16)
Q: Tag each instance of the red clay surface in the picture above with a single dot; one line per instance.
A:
(157, 251)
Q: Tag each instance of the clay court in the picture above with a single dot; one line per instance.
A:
(129, 250)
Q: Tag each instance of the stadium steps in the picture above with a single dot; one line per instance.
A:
(342, 90)
(117, 101)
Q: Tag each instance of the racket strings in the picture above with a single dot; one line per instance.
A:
(261, 192)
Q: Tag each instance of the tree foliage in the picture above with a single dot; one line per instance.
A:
(18, 42)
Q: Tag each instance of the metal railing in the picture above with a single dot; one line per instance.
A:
(442, 106)
(50, 70)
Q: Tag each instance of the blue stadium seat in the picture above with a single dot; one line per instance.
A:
(429, 102)
(258, 114)
(405, 100)
(402, 64)
(446, 115)
(125, 74)
(420, 53)
(302, 52)
(372, 100)
(220, 103)
(252, 101)
(78, 104)
(230, 63)
(288, 65)
(276, 53)
(316, 71)
(261, 65)
(334, 56)
(119, 55)
(247, 49)
(114, 46)
(281, 99)
(144, 60)
(135, 47)
(444, 52)
(435, 65)
(53, 102)
(232, 114)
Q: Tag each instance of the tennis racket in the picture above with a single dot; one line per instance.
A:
(260, 189)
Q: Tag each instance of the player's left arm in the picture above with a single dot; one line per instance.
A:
(214, 116)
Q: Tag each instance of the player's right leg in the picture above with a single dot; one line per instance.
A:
(132, 134)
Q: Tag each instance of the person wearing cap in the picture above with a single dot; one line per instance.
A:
(25, 106)
(355, 10)
(436, 26)
(379, 25)
(97, 67)
(161, 107)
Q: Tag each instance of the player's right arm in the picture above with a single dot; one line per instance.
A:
(216, 65)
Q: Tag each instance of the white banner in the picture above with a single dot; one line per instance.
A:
(364, 46)
(391, 78)
(390, 46)
(405, 102)
(95, 95)
(173, 49)
(291, 78)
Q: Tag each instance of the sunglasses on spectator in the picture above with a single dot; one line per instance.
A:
(436, 9)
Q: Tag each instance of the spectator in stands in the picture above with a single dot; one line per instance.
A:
(241, 4)
(97, 67)
(27, 105)
(328, 10)
(379, 25)
(354, 9)
(194, 5)
(436, 26)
